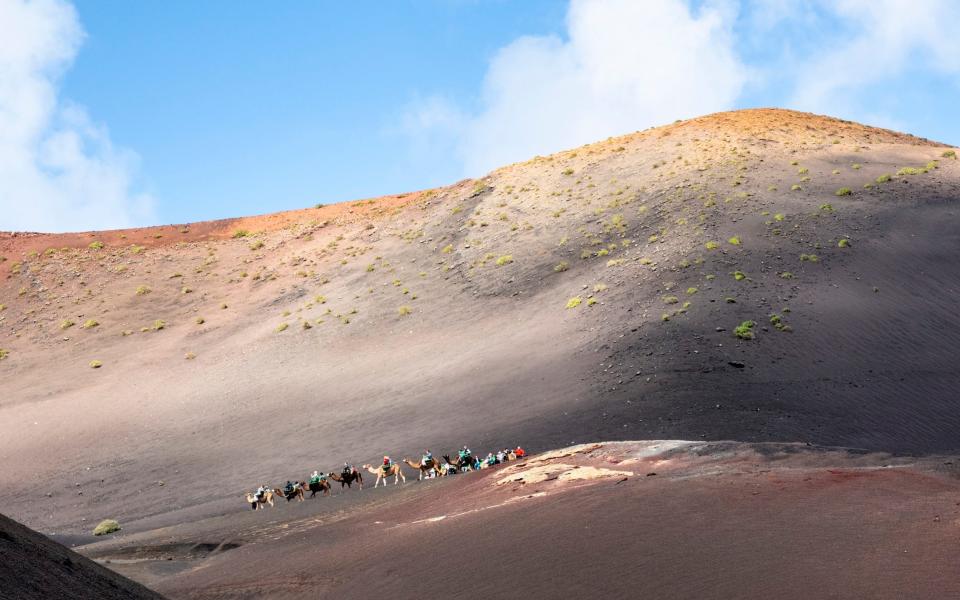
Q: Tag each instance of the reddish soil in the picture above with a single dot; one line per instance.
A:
(255, 350)
(695, 521)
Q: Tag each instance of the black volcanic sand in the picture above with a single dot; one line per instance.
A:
(673, 520)
(489, 355)
(34, 567)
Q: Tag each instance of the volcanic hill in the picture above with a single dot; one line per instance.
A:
(760, 276)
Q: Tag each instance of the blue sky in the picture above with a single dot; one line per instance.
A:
(149, 113)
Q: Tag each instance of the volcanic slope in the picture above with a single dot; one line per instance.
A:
(591, 294)
(615, 520)
(32, 566)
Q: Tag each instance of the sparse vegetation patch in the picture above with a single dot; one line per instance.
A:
(106, 526)
(744, 330)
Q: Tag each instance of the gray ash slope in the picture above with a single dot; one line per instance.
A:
(441, 318)
(34, 567)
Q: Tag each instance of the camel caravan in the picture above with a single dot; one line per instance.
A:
(428, 468)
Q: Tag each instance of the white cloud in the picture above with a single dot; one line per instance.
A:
(624, 66)
(58, 170)
(877, 41)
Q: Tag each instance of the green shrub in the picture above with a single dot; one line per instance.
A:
(844, 191)
(561, 267)
(803, 171)
(826, 208)
(66, 324)
(712, 245)
(844, 243)
(795, 187)
(404, 310)
(908, 171)
(200, 321)
(856, 166)
(142, 290)
(97, 245)
(506, 259)
(809, 258)
(574, 302)
(106, 526)
(670, 300)
(241, 233)
(744, 330)
(777, 321)
(256, 245)
(447, 249)
(4, 353)
(691, 291)
(779, 217)
(739, 275)
(568, 171)
(158, 325)
(95, 364)
(735, 240)
(884, 178)
(281, 327)
(786, 275)
(90, 324)
(949, 154)
(730, 300)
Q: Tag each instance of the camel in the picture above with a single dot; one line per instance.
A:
(257, 504)
(348, 479)
(461, 466)
(297, 492)
(321, 486)
(434, 466)
(384, 473)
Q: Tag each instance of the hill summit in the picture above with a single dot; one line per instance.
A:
(760, 275)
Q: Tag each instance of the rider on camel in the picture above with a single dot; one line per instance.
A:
(427, 458)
